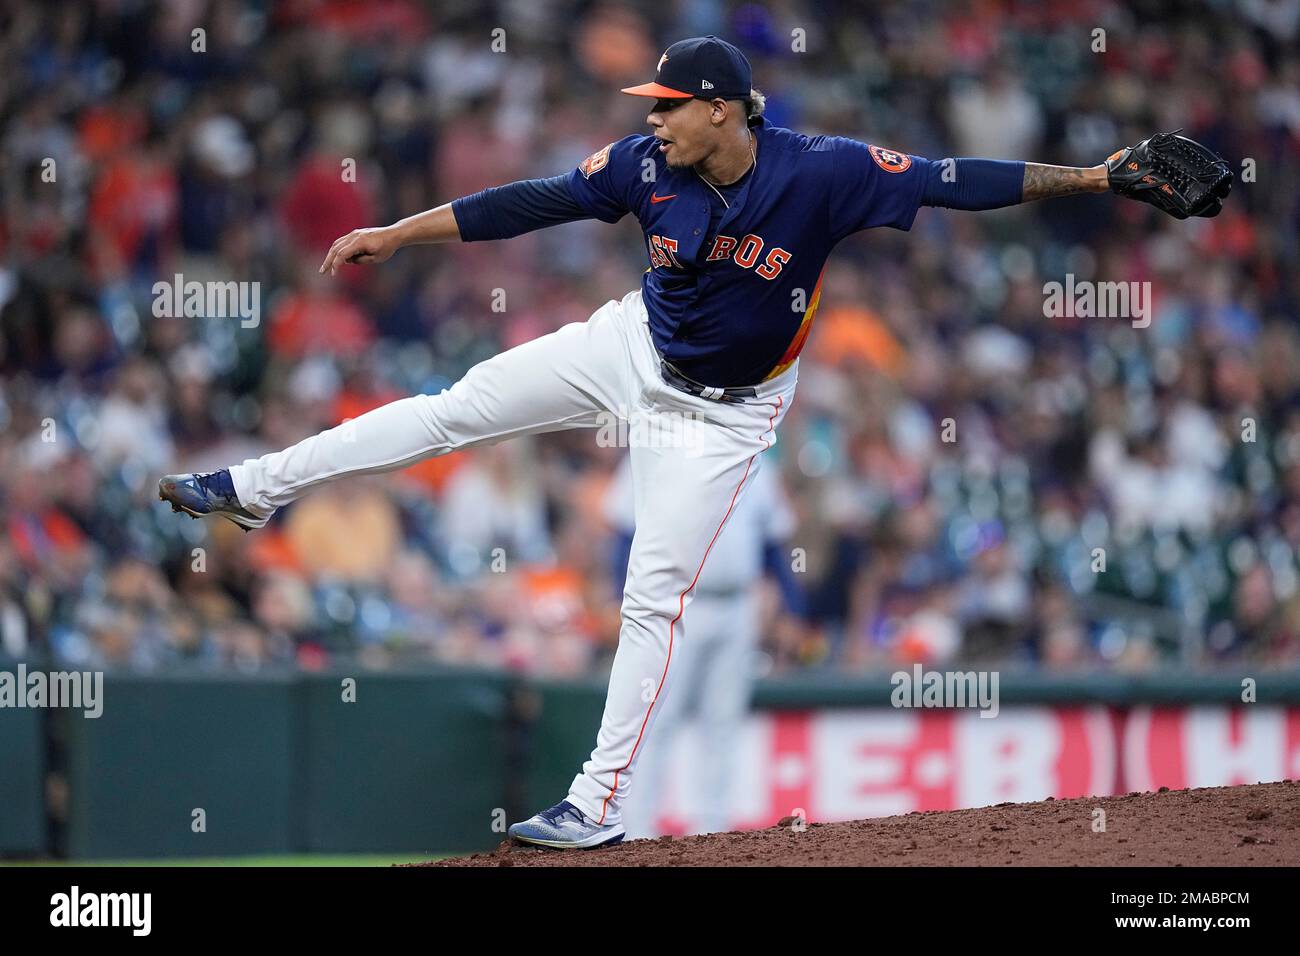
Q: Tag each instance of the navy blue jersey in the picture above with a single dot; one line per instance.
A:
(731, 292)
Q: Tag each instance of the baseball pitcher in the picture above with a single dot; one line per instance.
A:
(739, 217)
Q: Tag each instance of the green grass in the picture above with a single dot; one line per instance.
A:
(292, 859)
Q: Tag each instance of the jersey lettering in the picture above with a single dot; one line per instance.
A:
(747, 254)
(656, 260)
(722, 247)
(776, 260)
(663, 252)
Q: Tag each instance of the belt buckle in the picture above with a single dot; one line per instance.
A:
(684, 383)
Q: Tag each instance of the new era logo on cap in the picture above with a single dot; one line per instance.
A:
(708, 64)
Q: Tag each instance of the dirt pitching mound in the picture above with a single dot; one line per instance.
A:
(1255, 825)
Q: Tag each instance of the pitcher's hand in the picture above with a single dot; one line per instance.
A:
(361, 245)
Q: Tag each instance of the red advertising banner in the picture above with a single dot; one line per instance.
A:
(849, 764)
(1209, 746)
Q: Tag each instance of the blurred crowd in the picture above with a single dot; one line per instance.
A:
(974, 480)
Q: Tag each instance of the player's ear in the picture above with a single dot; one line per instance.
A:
(718, 110)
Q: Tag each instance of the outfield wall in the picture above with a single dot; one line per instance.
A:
(22, 781)
(436, 760)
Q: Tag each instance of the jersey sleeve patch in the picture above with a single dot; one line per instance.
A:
(595, 162)
(889, 160)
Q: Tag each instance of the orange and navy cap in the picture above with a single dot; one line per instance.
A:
(705, 68)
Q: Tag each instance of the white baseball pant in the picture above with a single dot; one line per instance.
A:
(582, 375)
(713, 684)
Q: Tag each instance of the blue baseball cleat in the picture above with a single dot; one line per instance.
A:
(564, 827)
(210, 493)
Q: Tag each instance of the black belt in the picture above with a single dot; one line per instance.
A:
(735, 395)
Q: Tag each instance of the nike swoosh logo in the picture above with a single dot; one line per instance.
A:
(654, 198)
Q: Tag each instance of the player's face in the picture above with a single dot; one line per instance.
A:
(685, 131)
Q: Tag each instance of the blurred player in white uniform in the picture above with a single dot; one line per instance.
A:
(714, 669)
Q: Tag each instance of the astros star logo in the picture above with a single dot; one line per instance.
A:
(891, 161)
